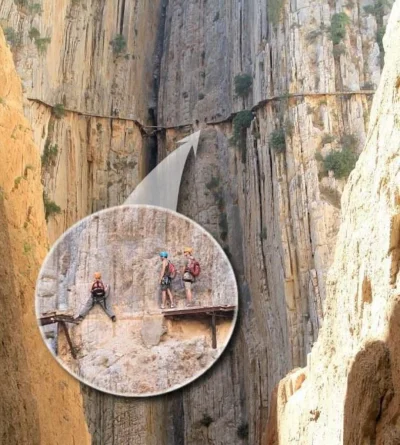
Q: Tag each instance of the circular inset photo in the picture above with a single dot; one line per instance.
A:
(136, 300)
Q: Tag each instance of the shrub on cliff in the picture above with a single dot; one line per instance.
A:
(58, 111)
(277, 140)
(241, 122)
(243, 83)
(42, 43)
(50, 207)
(13, 37)
(337, 29)
(340, 162)
(118, 44)
(49, 154)
(33, 33)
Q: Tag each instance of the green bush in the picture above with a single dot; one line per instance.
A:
(49, 154)
(241, 122)
(118, 44)
(34, 33)
(340, 162)
(274, 9)
(243, 83)
(35, 8)
(277, 140)
(59, 111)
(337, 29)
(13, 37)
(42, 43)
(50, 207)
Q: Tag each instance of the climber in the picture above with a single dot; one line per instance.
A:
(190, 271)
(168, 272)
(98, 295)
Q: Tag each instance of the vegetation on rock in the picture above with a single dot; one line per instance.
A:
(243, 83)
(50, 207)
(118, 44)
(59, 111)
(277, 140)
(337, 29)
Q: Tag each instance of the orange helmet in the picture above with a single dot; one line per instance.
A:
(188, 250)
(97, 276)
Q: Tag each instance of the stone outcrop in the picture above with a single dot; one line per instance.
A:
(141, 353)
(40, 403)
(351, 391)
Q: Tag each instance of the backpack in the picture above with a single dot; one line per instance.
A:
(98, 289)
(194, 268)
(171, 270)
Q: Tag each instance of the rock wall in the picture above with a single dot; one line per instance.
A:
(281, 212)
(349, 392)
(89, 89)
(40, 403)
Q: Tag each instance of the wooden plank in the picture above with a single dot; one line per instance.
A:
(65, 329)
(198, 310)
(55, 318)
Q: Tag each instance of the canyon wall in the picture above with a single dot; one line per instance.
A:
(40, 403)
(268, 202)
(349, 391)
(89, 72)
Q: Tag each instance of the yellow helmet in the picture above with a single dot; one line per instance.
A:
(97, 275)
(187, 250)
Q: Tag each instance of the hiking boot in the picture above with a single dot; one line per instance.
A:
(162, 306)
(113, 318)
(172, 306)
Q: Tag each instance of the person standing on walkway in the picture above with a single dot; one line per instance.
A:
(98, 295)
(190, 270)
(167, 274)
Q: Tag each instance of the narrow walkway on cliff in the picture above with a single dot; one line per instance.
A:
(225, 119)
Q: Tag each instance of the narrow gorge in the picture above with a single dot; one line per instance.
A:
(93, 94)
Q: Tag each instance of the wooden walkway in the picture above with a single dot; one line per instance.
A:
(61, 320)
(211, 312)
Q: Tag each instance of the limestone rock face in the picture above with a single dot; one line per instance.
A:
(141, 353)
(106, 87)
(351, 393)
(280, 214)
(40, 403)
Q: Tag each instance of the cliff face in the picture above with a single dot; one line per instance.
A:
(89, 75)
(40, 403)
(351, 388)
(269, 203)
